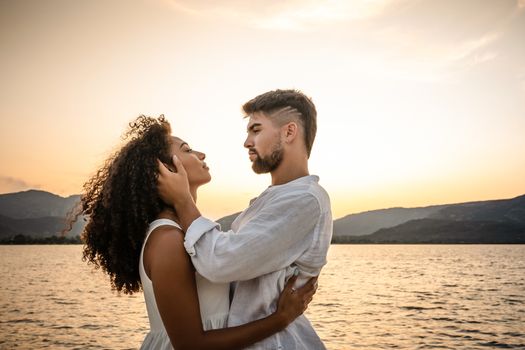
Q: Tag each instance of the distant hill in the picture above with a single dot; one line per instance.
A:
(371, 221)
(35, 204)
(36, 227)
(36, 214)
(226, 222)
(445, 231)
(503, 210)
(511, 211)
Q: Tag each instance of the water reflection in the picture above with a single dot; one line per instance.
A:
(370, 296)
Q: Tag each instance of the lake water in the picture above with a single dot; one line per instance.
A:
(369, 296)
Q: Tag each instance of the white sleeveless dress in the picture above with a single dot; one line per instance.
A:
(213, 299)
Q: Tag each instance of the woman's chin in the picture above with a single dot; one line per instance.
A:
(202, 181)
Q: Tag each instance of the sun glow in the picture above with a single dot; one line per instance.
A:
(413, 108)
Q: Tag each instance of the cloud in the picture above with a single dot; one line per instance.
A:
(10, 184)
(440, 40)
(423, 40)
(468, 48)
(296, 15)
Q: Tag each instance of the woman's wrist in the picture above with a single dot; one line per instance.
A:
(281, 319)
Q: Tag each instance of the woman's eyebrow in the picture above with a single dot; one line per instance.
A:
(184, 143)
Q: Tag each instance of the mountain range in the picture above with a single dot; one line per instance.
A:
(40, 214)
(36, 214)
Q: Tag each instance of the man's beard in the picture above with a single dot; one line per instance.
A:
(267, 164)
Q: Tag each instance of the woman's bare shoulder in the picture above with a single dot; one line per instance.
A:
(165, 251)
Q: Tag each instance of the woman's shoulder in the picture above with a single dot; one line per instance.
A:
(165, 233)
(164, 249)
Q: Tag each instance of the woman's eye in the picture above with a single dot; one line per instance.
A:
(189, 150)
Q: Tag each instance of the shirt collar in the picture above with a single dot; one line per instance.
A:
(299, 180)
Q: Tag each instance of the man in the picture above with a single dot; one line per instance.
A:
(288, 227)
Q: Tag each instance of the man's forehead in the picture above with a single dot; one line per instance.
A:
(286, 114)
(256, 118)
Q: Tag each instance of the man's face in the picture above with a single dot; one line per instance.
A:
(263, 143)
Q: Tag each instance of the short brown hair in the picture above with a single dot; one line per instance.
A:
(273, 100)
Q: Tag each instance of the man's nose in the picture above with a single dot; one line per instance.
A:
(201, 155)
(248, 142)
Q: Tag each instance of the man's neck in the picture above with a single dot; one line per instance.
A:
(289, 171)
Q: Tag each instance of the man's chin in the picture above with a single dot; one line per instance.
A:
(258, 170)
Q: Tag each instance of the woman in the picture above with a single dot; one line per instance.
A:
(136, 240)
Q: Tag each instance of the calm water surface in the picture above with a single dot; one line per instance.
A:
(370, 296)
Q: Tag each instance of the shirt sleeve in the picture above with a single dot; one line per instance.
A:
(273, 239)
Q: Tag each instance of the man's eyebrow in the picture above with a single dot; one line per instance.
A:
(253, 126)
(182, 145)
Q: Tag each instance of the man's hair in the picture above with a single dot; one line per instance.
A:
(299, 105)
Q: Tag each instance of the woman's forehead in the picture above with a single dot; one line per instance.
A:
(177, 140)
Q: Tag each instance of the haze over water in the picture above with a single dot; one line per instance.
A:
(370, 296)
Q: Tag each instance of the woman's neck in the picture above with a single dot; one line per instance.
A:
(193, 192)
(170, 213)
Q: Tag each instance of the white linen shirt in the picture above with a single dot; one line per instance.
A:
(288, 226)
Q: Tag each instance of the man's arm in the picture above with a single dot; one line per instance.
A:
(273, 239)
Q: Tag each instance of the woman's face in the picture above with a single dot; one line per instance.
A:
(193, 161)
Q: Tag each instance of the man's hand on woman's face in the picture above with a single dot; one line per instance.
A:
(172, 185)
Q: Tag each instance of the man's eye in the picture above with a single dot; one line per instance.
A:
(189, 150)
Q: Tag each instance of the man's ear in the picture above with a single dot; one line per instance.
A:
(290, 131)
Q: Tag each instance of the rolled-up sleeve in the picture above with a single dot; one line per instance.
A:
(197, 228)
(273, 239)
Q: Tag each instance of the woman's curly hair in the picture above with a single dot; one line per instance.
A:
(121, 199)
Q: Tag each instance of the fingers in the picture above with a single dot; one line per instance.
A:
(163, 170)
(179, 168)
(289, 287)
(309, 287)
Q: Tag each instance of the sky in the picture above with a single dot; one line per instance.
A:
(419, 102)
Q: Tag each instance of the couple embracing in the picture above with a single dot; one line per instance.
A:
(205, 288)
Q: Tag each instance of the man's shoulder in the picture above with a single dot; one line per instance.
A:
(304, 193)
(313, 189)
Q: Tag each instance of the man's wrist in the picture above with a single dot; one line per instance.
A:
(187, 212)
(182, 201)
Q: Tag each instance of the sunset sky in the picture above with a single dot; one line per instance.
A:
(419, 101)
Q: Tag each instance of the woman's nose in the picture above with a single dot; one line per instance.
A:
(202, 155)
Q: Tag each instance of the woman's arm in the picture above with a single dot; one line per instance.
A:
(173, 278)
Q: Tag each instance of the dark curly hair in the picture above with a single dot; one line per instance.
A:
(120, 201)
